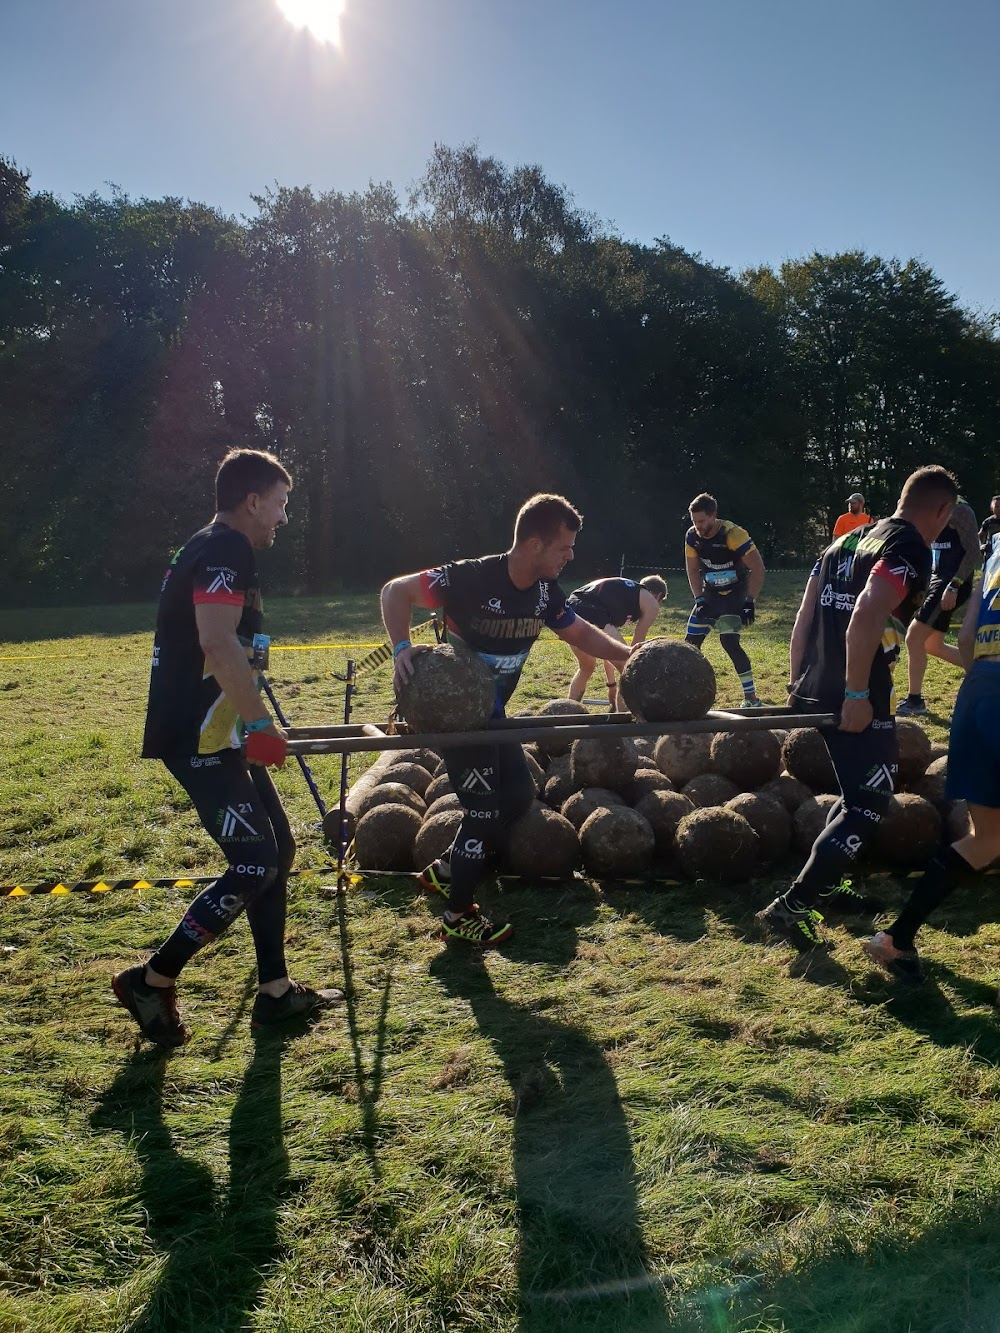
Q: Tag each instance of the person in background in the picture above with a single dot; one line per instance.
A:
(990, 528)
(609, 604)
(854, 518)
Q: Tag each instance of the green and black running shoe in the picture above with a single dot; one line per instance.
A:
(844, 897)
(797, 925)
(154, 1008)
(436, 878)
(297, 1002)
(475, 929)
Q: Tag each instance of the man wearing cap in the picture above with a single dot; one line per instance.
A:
(854, 518)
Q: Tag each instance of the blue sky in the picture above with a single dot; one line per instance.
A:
(749, 130)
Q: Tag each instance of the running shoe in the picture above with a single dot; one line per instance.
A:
(297, 1002)
(844, 897)
(154, 1008)
(436, 878)
(912, 706)
(475, 929)
(903, 964)
(752, 701)
(796, 925)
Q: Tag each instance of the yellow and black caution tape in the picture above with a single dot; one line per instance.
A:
(61, 887)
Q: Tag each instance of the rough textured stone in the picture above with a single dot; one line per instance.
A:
(668, 681)
(910, 831)
(748, 758)
(557, 707)
(385, 837)
(440, 786)
(603, 763)
(664, 810)
(807, 758)
(709, 789)
(543, 843)
(451, 689)
(388, 793)
(616, 842)
(436, 835)
(914, 751)
(769, 820)
(414, 776)
(717, 844)
(683, 757)
(810, 819)
(582, 804)
(788, 790)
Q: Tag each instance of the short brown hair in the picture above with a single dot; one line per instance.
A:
(704, 504)
(929, 485)
(543, 516)
(246, 472)
(654, 584)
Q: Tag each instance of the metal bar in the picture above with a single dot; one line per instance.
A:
(343, 837)
(522, 735)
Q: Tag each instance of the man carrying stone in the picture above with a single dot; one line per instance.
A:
(609, 604)
(203, 698)
(841, 654)
(497, 606)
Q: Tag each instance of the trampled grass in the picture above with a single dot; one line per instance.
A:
(638, 1117)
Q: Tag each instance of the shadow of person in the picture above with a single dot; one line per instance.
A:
(582, 1258)
(214, 1256)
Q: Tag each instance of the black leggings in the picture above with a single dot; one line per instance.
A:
(238, 805)
(495, 786)
(866, 765)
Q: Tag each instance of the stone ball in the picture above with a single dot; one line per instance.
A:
(449, 801)
(910, 831)
(769, 820)
(664, 810)
(806, 757)
(451, 689)
(931, 786)
(957, 820)
(534, 751)
(809, 820)
(542, 843)
(645, 748)
(559, 786)
(616, 842)
(388, 793)
(748, 758)
(717, 844)
(914, 751)
(603, 762)
(683, 757)
(439, 786)
(709, 789)
(414, 776)
(536, 770)
(422, 755)
(786, 789)
(436, 835)
(553, 746)
(385, 837)
(667, 681)
(645, 781)
(331, 827)
(938, 751)
(581, 805)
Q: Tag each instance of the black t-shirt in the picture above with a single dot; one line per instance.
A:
(617, 598)
(187, 711)
(721, 558)
(897, 551)
(489, 615)
(987, 532)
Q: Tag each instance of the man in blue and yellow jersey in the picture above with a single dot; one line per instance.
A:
(726, 574)
(973, 776)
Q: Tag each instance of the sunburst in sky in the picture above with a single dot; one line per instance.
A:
(321, 18)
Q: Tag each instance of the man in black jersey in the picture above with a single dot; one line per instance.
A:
(844, 643)
(203, 697)
(726, 574)
(497, 606)
(990, 528)
(954, 556)
(609, 604)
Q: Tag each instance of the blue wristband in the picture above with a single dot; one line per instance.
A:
(856, 694)
(400, 647)
(261, 724)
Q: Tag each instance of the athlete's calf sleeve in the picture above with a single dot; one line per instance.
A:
(736, 652)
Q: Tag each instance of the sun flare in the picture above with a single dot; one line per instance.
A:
(321, 18)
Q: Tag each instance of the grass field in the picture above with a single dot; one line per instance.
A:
(638, 1117)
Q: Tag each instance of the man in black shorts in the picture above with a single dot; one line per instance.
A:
(954, 557)
(609, 604)
(203, 697)
(842, 649)
(497, 606)
(726, 574)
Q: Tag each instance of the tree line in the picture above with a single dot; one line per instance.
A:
(423, 365)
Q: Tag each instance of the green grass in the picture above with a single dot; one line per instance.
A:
(637, 1118)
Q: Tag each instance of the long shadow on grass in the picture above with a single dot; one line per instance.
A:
(583, 1263)
(216, 1251)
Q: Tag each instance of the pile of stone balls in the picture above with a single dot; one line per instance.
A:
(723, 806)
